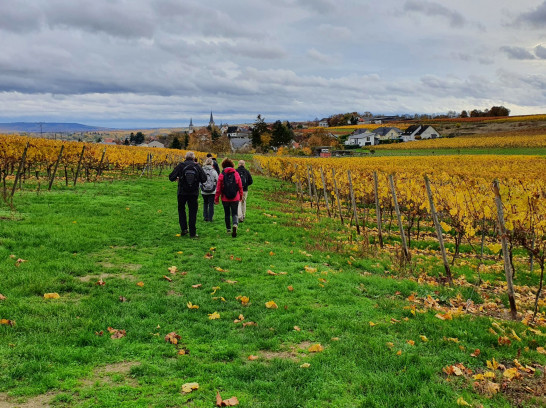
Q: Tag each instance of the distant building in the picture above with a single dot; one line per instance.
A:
(211, 120)
(190, 127)
(419, 132)
(155, 143)
(387, 133)
(323, 123)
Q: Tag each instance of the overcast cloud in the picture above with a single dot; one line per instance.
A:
(162, 62)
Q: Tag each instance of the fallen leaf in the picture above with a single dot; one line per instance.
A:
(173, 269)
(197, 285)
(249, 324)
(271, 253)
(183, 352)
(2, 297)
(7, 322)
(271, 305)
(372, 324)
(220, 269)
(167, 278)
(116, 334)
(511, 373)
(390, 345)
(172, 338)
(491, 388)
(20, 261)
(100, 282)
(122, 299)
(230, 402)
(315, 348)
(270, 272)
(214, 289)
(290, 288)
(411, 342)
(493, 365)
(189, 387)
(305, 365)
(192, 306)
(244, 300)
(297, 328)
(309, 269)
(541, 350)
(445, 316)
(53, 295)
(214, 316)
(231, 282)
(424, 338)
(239, 319)
(141, 284)
(462, 402)
(503, 340)
(99, 333)
(476, 353)
(252, 357)
(399, 353)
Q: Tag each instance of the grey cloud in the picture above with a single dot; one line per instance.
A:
(321, 6)
(517, 53)
(540, 51)
(319, 56)
(535, 18)
(432, 9)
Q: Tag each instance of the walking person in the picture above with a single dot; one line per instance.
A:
(230, 188)
(208, 189)
(246, 180)
(189, 174)
(214, 163)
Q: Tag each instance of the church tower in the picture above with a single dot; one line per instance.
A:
(191, 126)
(211, 121)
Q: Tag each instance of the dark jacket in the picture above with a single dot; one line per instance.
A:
(179, 171)
(245, 174)
(220, 187)
(215, 165)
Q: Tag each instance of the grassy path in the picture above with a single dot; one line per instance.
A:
(124, 233)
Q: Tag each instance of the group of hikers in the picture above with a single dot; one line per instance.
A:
(230, 185)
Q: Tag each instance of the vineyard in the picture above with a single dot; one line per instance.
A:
(495, 204)
(40, 161)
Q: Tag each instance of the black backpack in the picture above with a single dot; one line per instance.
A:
(190, 178)
(230, 186)
(244, 179)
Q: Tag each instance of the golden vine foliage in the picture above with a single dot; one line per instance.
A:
(461, 187)
(43, 153)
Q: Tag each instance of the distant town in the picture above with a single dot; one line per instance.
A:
(345, 131)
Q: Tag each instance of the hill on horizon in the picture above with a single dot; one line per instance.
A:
(50, 127)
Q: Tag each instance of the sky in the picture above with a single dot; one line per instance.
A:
(158, 63)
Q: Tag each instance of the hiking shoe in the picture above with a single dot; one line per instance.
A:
(234, 231)
(229, 231)
(194, 236)
(185, 232)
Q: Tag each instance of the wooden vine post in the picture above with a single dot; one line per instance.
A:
(505, 253)
(79, 165)
(309, 185)
(21, 164)
(353, 201)
(55, 168)
(407, 255)
(99, 171)
(325, 193)
(315, 191)
(337, 195)
(438, 228)
(377, 208)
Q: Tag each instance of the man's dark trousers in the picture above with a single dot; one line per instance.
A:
(192, 213)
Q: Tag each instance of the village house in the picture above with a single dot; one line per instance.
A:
(362, 137)
(419, 132)
(323, 123)
(387, 133)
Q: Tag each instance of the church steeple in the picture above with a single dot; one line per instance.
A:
(211, 121)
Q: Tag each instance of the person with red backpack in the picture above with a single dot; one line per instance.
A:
(189, 174)
(230, 188)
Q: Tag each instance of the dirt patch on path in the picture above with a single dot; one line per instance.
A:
(104, 276)
(42, 400)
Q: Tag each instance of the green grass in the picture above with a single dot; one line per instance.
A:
(126, 232)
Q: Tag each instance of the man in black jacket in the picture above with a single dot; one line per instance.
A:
(246, 179)
(189, 174)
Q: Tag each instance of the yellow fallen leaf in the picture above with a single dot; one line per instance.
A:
(315, 348)
(462, 402)
(424, 338)
(390, 345)
(270, 272)
(252, 357)
(7, 322)
(244, 300)
(214, 289)
(399, 353)
(372, 324)
(297, 328)
(239, 319)
(493, 365)
(189, 387)
(305, 365)
(290, 288)
(51, 295)
(411, 342)
(173, 269)
(310, 269)
(491, 388)
(192, 306)
(511, 373)
(172, 338)
(214, 316)
(141, 284)
(541, 350)
(271, 305)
